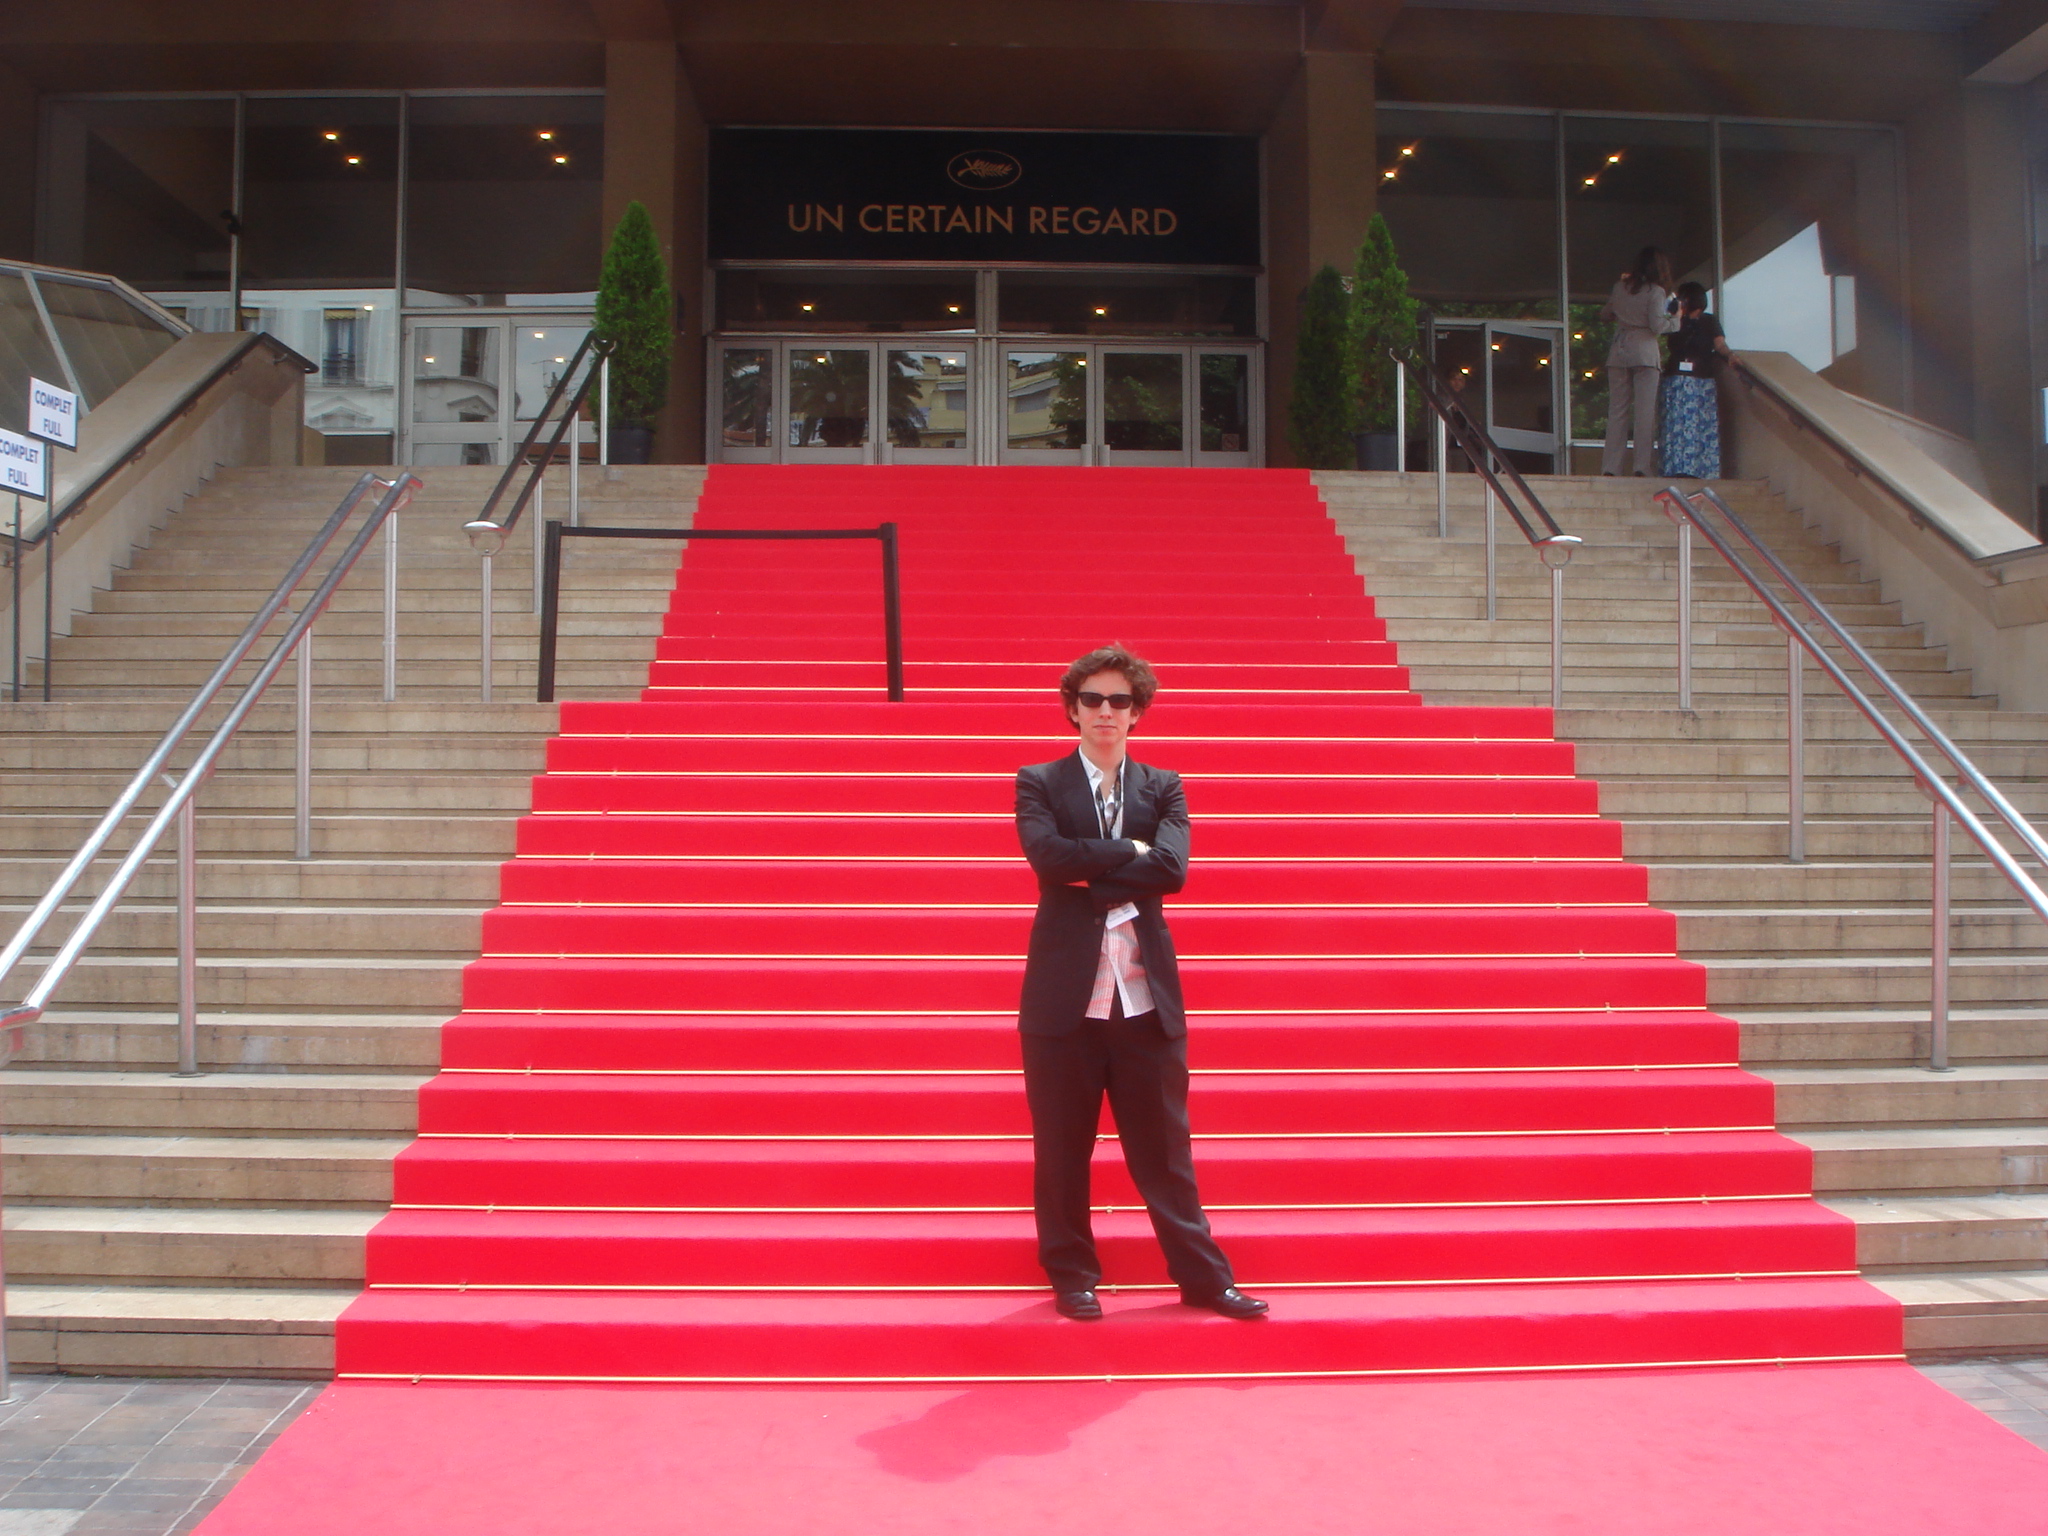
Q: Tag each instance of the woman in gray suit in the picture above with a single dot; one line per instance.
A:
(1642, 309)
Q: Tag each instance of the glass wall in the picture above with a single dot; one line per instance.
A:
(1795, 230)
(501, 195)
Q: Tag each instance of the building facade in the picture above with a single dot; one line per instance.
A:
(1071, 231)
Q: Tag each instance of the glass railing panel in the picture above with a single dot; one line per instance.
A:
(107, 339)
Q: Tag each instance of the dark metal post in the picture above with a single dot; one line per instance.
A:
(49, 592)
(550, 610)
(892, 612)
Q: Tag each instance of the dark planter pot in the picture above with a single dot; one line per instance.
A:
(631, 445)
(1377, 450)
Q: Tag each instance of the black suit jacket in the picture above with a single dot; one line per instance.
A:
(1081, 875)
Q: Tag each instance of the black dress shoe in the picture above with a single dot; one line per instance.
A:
(1231, 1302)
(1082, 1306)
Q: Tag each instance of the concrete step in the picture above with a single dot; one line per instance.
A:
(268, 1104)
(352, 1172)
(87, 1245)
(1935, 1160)
(1870, 1098)
(109, 1330)
(254, 1042)
(265, 983)
(1869, 1036)
(1781, 981)
(1957, 1317)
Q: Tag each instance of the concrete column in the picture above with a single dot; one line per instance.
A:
(654, 139)
(1320, 195)
(18, 144)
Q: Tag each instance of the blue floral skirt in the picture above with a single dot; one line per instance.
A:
(1689, 428)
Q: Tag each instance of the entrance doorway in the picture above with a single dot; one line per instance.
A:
(473, 385)
(1511, 376)
(827, 400)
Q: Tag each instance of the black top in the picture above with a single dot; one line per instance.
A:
(1693, 343)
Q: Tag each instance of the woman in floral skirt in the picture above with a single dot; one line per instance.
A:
(1689, 435)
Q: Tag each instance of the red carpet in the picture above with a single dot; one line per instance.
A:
(1818, 1450)
(734, 1098)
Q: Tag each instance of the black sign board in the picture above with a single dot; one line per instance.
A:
(844, 194)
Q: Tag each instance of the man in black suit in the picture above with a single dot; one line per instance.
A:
(1107, 838)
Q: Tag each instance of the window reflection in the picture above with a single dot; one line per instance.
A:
(928, 399)
(1126, 304)
(1141, 401)
(744, 403)
(1045, 401)
(828, 398)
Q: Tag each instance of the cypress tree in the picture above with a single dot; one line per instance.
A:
(1320, 416)
(1385, 317)
(634, 309)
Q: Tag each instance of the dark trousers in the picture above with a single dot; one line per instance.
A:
(1146, 1077)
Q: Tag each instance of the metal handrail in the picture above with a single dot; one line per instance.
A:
(60, 510)
(1504, 487)
(486, 535)
(396, 493)
(1684, 510)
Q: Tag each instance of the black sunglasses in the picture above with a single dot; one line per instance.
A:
(1097, 700)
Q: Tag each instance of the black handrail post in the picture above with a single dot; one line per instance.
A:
(892, 613)
(550, 608)
(49, 601)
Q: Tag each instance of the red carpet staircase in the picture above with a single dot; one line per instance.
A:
(734, 1097)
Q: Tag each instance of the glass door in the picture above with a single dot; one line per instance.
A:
(744, 390)
(475, 385)
(1144, 405)
(829, 389)
(930, 406)
(1523, 388)
(1045, 408)
(458, 393)
(1224, 409)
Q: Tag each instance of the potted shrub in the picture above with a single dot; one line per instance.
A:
(635, 311)
(1322, 413)
(1383, 316)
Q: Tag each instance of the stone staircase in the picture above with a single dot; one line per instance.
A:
(214, 1224)
(1826, 963)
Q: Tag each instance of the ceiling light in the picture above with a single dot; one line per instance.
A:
(1388, 175)
(821, 359)
(540, 335)
(426, 359)
(806, 308)
(561, 159)
(1408, 149)
(1496, 346)
(1591, 179)
(355, 159)
(561, 359)
(330, 135)
(1102, 309)
(369, 306)
(1614, 159)
(547, 133)
(952, 309)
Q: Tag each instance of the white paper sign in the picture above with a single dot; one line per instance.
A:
(52, 413)
(24, 465)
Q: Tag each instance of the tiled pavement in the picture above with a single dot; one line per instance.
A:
(106, 1456)
(103, 1456)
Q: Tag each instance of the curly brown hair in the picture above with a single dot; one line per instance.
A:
(1109, 658)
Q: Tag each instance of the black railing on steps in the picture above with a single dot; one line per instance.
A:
(551, 583)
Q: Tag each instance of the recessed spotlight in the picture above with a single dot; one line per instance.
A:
(561, 159)
(1408, 149)
(330, 136)
(546, 133)
(1614, 159)
(952, 309)
(561, 359)
(807, 308)
(355, 159)
(1102, 309)
(540, 335)
(428, 359)
(821, 358)
(1590, 180)
(369, 306)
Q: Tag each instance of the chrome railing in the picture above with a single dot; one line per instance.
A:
(1504, 487)
(487, 531)
(178, 805)
(1686, 509)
